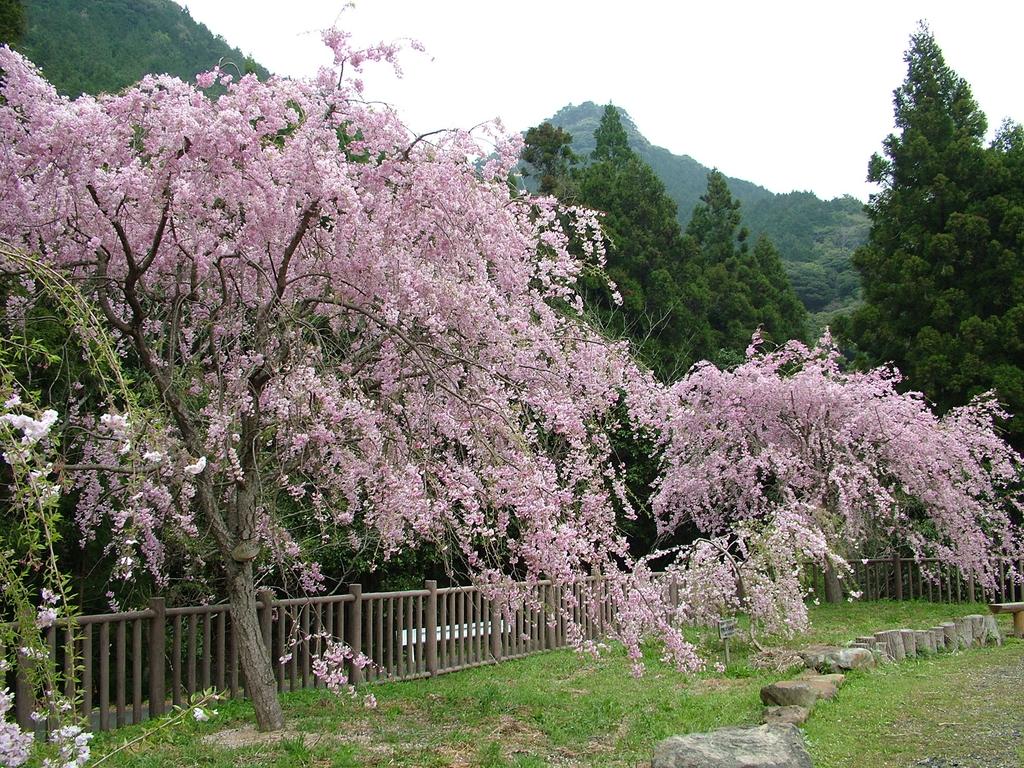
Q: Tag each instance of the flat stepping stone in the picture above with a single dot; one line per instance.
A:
(836, 678)
(763, 746)
(787, 693)
(826, 685)
(779, 715)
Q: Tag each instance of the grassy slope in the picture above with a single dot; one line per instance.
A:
(560, 709)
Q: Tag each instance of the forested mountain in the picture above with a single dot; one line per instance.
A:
(104, 45)
(815, 238)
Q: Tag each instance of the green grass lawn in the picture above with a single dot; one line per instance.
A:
(560, 708)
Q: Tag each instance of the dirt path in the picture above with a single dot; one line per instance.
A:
(989, 722)
(964, 710)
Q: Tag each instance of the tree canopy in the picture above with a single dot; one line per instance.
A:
(320, 355)
(789, 457)
(942, 271)
(683, 297)
(107, 45)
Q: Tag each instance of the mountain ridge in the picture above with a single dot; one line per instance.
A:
(106, 45)
(815, 237)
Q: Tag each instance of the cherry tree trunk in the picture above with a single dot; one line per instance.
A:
(833, 587)
(253, 655)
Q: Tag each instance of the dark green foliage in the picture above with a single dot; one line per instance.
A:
(12, 22)
(610, 141)
(105, 45)
(549, 157)
(815, 238)
(750, 289)
(684, 297)
(663, 299)
(943, 272)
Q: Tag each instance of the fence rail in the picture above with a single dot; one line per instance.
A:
(122, 668)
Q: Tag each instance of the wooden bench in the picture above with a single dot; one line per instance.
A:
(1017, 609)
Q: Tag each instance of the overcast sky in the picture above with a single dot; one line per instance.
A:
(790, 95)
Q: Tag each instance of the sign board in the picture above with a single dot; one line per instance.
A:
(726, 628)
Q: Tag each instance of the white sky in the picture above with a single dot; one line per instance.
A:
(790, 95)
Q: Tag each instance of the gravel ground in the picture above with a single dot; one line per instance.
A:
(990, 723)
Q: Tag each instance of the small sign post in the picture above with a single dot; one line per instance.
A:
(726, 629)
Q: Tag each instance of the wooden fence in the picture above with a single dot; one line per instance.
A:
(122, 668)
(904, 578)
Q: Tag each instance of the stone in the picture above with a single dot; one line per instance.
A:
(909, 642)
(849, 658)
(792, 714)
(787, 693)
(837, 679)
(825, 685)
(764, 746)
(814, 655)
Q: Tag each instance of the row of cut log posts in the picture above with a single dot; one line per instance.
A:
(965, 632)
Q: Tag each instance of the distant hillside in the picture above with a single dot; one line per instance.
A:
(815, 237)
(93, 46)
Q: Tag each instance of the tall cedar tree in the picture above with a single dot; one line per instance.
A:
(751, 288)
(664, 299)
(942, 271)
(548, 157)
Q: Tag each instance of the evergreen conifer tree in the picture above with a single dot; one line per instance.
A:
(942, 271)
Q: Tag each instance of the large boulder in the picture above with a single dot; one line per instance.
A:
(814, 655)
(787, 693)
(827, 658)
(765, 746)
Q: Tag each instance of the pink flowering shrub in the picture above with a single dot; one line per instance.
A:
(788, 459)
(15, 744)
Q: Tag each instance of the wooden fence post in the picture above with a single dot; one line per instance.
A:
(496, 632)
(355, 629)
(266, 597)
(431, 626)
(24, 695)
(157, 656)
(898, 570)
